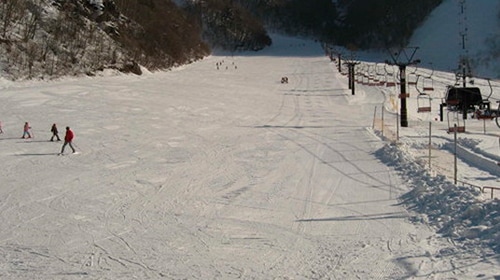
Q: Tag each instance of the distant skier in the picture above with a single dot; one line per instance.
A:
(55, 133)
(1, 130)
(26, 130)
(68, 138)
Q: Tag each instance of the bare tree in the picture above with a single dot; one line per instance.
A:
(31, 21)
(10, 12)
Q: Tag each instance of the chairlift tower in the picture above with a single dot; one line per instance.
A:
(464, 67)
(464, 70)
(351, 64)
(402, 59)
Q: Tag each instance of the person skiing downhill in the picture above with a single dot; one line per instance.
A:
(26, 130)
(55, 133)
(68, 138)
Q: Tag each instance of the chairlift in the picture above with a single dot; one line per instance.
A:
(372, 75)
(428, 82)
(362, 76)
(424, 100)
(463, 98)
(366, 79)
(389, 82)
(343, 70)
(412, 77)
(458, 123)
(424, 103)
(358, 78)
(389, 78)
(485, 105)
(380, 76)
(484, 111)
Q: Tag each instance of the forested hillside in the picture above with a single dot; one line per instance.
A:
(381, 23)
(52, 38)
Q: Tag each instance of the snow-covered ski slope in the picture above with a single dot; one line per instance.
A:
(200, 173)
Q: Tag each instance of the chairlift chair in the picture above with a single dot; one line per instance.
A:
(380, 76)
(389, 78)
(375, 77)
(486, 102)
(427, 84)
(372, 75)
(412, 79)
(484, 111)
(363, 79)
(463, 99)
(424, 100)
(460, 123)
(389, 81)
(381, 81)
(343, 70)
(424, 103)
(451, 101)
(373, 80)
(358, 78)
(366, 79)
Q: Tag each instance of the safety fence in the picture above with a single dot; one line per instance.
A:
(483, 189)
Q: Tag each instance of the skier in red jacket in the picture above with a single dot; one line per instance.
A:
(68, 138)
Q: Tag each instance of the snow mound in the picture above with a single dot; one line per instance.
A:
(455, 211)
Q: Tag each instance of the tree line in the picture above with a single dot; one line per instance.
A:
(46, 38)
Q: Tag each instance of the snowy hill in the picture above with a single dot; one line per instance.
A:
(440, 38)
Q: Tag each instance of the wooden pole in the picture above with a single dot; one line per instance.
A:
(430, 144)
(455, 169)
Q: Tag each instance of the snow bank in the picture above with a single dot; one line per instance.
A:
(455, 211)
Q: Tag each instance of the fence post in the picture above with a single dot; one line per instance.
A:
(382, 121)
(455, 154)
(430, 144)
(397, 127)
(374, 118)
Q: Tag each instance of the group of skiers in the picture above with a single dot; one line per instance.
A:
(68, 137)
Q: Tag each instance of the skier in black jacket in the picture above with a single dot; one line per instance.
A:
(55, 133)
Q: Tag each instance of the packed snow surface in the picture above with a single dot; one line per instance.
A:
(217, 170)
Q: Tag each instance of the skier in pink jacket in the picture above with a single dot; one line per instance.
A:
(26, 130)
